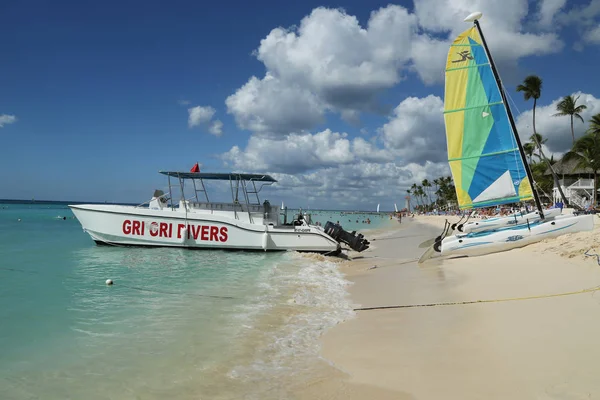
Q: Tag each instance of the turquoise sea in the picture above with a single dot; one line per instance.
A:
(177, 324)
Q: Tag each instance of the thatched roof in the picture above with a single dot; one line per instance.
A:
(568, 168)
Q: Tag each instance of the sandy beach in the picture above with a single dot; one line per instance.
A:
(518, 347)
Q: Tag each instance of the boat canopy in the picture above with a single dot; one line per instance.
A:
(227, 176)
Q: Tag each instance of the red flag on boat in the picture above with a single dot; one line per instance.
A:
(195, 168)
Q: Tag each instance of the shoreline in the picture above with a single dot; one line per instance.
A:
(523, 348)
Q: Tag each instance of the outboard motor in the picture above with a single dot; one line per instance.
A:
(356, 242)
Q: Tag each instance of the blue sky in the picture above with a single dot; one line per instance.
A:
(100, 93)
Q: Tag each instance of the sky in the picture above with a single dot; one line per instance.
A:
(340, 101)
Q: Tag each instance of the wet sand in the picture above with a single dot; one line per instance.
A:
(544, 348)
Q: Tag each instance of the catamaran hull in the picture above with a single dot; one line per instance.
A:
(132, 226)
(512, 220)
(487, 242)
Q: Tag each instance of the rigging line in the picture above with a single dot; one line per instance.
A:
(511, 100)
(514, 141)
(457, 303)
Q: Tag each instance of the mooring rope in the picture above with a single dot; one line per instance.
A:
(457, 303)
(592, 255)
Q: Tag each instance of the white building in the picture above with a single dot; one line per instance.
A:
(576, 183)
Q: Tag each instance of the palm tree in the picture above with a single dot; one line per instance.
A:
(594, 125)
(532, 89)
(586, 151)
(436, 182)
(529, 149)
(568, 106)
(538, 140)
(415, 192)
(426, 185)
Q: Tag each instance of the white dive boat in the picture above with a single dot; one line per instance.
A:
(486, 157)
(243, 224)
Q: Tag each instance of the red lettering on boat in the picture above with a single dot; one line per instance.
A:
(154, 229)
(223, 237)
(204, 235)
(195, 231)
(214, 234)
(127, 227)
(135, 228)
(163, 229)
(179, 228)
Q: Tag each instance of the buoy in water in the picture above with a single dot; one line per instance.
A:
(109, 282)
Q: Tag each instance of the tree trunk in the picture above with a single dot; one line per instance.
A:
(595, 191)
(534, 104)
(572, 131)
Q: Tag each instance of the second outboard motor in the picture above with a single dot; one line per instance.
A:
(356, 242)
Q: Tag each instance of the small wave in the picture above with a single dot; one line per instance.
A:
(96, 334)
(310, 296)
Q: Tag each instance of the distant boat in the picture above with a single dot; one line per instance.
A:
(377, 207)
(395, 207)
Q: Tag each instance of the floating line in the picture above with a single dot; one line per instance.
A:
(138, 288)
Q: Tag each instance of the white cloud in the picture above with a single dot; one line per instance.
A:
(592, 36)
(334, 56)
(558, 129)
(200, 115)
(184, 102)
(502, 23)
(6, 119)
(548, 11)
(328, 166)
(358, 185)
(294, 153)
(416, 130)
(269, 106)
(216, 128)
(203, 116)
(332, 63)
(584, 18)
(582, 15)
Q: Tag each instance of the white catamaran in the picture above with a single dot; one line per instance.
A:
(486, 157)
(196, 222)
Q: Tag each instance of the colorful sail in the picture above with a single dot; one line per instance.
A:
(483, 154)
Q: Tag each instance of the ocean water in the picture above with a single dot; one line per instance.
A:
(176, 323)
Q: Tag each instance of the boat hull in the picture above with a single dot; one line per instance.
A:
(512, 220)
(481, 243)
(133, 226)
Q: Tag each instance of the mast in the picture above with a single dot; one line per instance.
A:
(510, 116)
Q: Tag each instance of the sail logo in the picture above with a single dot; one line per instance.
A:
(464, 56)
(514, 238)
